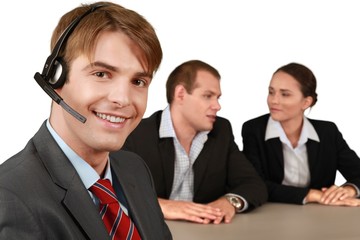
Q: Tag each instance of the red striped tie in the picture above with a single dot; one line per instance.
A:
(118, 224)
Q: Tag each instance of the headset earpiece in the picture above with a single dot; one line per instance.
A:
(59, 75)
(55, 70)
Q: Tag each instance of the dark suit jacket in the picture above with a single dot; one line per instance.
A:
(42, 196)
(325, 157)
(219, 169)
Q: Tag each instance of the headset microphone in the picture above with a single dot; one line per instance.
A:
(50, 91)
(50, 77)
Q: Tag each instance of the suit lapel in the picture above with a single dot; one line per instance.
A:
(83, 209)
(167, 157)
(202, 162)
(275, 149)
(75, 197)
(312, 151)
(275, 165)
(127, 180)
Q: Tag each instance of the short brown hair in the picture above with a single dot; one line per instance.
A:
(185, 74)
(109, 17)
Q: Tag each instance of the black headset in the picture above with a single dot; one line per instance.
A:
(54, 73)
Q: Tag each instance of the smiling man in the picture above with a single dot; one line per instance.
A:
(199, 173)
(103, 59)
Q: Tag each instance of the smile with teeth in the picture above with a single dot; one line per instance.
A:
(110, 118)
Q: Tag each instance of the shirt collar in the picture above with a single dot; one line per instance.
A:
(274, 130)
(87, 174)
(167, 129)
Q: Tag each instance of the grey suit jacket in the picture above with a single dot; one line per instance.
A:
(42, 196)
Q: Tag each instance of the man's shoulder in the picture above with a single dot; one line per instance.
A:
(126, 155)
(129, 162)
(22, 172)
(151, 121)
(221, 127)
(221, 121)
(20, 162)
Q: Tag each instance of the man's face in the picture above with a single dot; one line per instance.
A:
(201, 106)
(110, 91)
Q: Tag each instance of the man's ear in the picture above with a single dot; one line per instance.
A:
(179, 93)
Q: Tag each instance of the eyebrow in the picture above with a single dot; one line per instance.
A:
(113, 68)
(212, 93)
(281, 89)
(101, 64)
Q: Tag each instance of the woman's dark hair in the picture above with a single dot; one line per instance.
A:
(305, 78)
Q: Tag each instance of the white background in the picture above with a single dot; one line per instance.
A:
(245, 40)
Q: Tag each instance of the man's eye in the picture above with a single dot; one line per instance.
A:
(100, 74)
(140, 82)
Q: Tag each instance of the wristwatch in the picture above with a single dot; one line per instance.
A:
(237, 202)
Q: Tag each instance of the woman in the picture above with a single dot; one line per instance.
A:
(298, 157)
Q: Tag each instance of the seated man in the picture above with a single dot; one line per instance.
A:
(200, 174)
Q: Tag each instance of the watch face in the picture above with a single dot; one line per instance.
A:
(235, 202)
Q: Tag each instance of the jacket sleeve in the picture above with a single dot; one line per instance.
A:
(243, 179)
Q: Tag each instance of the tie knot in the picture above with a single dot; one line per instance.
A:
(104, 191)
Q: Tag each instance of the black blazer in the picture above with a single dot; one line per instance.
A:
(42, 196)
(219, 169)
(325, 157)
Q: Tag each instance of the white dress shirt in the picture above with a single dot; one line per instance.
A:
(296, 164)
